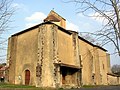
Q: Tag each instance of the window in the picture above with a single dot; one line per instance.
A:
(103, 66)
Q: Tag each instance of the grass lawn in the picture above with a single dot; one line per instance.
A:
(5, 86)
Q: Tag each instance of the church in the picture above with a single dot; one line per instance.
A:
(48, 55)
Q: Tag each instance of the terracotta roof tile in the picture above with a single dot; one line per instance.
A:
(51, 18)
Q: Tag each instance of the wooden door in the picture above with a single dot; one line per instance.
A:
(27, 77)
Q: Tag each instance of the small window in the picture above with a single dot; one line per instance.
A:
(103, 66)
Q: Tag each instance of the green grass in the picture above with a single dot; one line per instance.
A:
(20, 87)
(6, 86)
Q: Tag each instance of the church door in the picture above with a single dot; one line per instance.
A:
(27, 77)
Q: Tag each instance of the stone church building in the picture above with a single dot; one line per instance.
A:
(48, 55)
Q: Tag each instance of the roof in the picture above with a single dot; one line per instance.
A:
(57, 14)
(68, 65)
(100, 48)
(36, 26)
(51, 18)
(60, 28)
(91, 43)
(112, 74)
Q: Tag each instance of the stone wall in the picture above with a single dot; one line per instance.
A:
(23, 56)
(94, 64)
(113, 80)
(27, 57)
(97, 66)
(103, 66)
(12, 58)
(86, 52)
(65, 48)
(46, 45)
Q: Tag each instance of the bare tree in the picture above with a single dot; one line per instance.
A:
(6, 11)
(109, 12)
(87, 37)
(115, 69)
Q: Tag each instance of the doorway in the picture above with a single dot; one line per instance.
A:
(27, 77)
(69, 75)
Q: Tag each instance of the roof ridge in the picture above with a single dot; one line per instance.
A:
(57, 14)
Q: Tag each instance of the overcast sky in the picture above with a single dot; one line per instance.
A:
(32, 12)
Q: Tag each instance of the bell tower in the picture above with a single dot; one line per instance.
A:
(56, 18)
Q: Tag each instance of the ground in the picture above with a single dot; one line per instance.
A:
(100, 88)
(4, 86)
